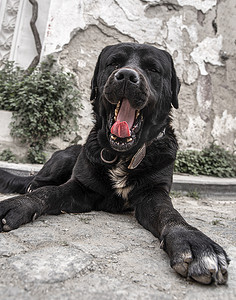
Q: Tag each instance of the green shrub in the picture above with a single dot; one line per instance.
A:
(10, 84)
(212, 161)
(7, 155)
(44, 104)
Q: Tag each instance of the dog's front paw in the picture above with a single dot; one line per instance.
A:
(17, 211)
(194, 255)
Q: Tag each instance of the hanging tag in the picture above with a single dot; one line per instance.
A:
(137, 158)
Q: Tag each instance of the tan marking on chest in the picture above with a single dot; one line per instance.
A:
(119, 176)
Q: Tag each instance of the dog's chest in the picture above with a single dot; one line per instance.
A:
(119, 179)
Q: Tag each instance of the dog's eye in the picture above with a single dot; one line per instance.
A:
(113, 64)
(154, 70)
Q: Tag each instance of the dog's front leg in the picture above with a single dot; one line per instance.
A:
(69, 197)
(192, 254)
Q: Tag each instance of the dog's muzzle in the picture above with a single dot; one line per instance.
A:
(127, 89)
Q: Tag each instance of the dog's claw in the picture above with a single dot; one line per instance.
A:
(34, 217)
(205, 279)
(6, 228)
(162, 244)
(182, 269)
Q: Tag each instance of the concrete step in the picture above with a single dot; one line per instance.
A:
(207, 186)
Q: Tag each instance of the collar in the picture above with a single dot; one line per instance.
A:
(136, 159)
(141, 153)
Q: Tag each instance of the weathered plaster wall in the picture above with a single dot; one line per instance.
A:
(200, 35)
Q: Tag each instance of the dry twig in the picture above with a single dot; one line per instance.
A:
(37, 40)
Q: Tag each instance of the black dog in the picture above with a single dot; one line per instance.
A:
(126, 164)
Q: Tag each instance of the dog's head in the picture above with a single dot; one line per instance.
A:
(133, 89)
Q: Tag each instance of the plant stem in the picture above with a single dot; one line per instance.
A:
(37, 40)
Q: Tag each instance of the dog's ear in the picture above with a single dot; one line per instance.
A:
(175, 87)
(94, 82)
(94, 85)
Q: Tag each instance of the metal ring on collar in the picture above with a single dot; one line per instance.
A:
(107, 161)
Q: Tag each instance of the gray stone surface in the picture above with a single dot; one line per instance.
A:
(103, 256)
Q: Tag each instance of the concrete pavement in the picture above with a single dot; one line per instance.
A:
(100, 256)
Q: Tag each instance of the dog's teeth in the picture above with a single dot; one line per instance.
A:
(113, 137)
(137, 113)
(129, 139)
(117, 111)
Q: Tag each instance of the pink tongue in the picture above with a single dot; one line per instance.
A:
(125, 120)
(120, 129)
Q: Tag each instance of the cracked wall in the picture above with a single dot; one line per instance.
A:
(200, 35)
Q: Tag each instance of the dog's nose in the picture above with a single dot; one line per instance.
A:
(127, 75)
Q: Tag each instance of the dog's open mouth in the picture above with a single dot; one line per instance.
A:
(125, 125)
